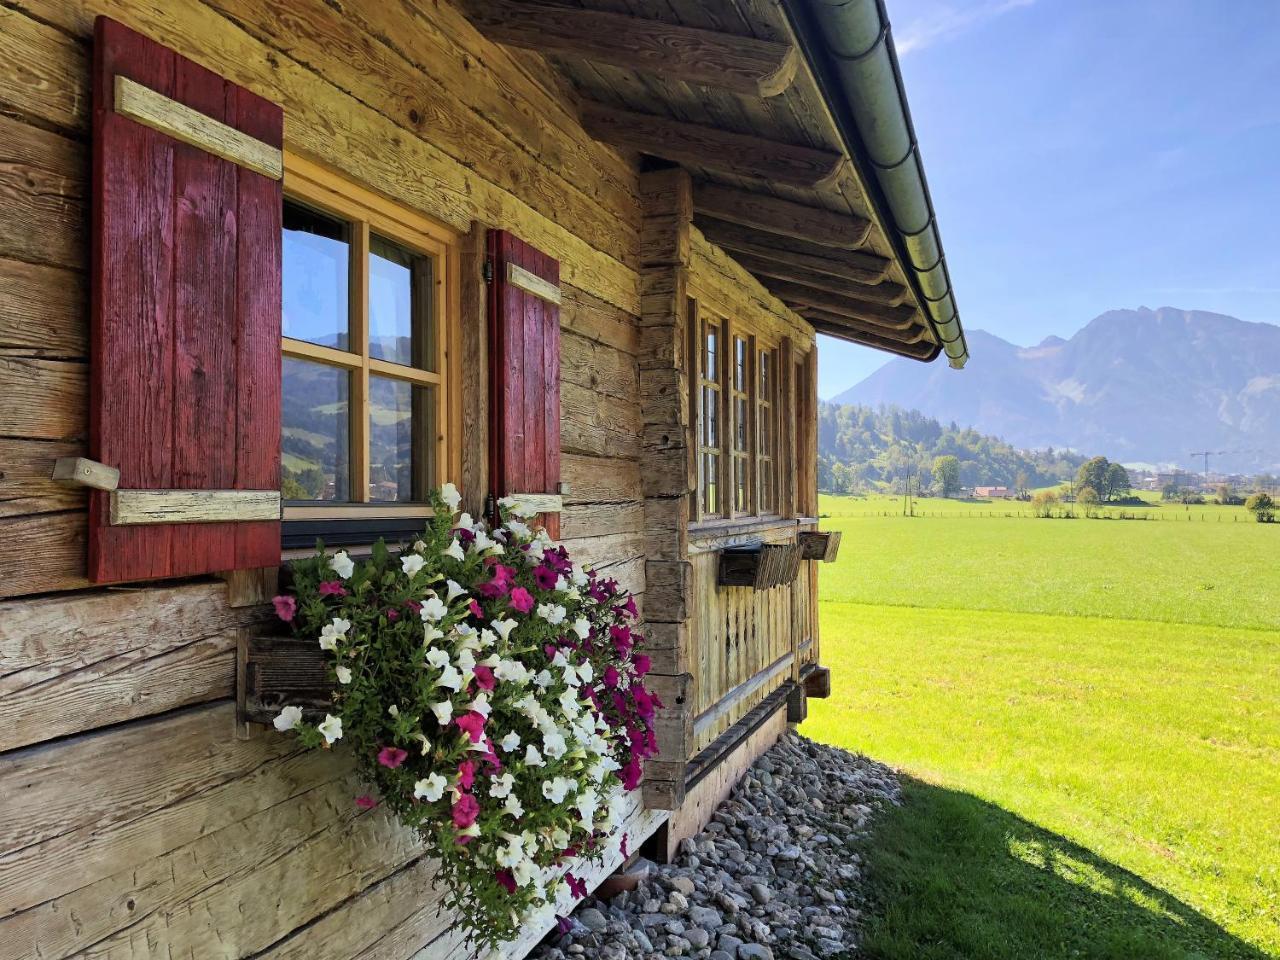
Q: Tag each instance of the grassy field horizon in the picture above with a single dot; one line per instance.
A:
(1100, 694)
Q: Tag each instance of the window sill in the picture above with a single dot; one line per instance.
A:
(715, 534)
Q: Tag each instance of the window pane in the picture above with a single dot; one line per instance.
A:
(764, 374)
(711, 486)
(709, 368)
(739, 363)
(315, 273)
(740, 423)
(315, 427)
(762, 430)
(740, 483)
(710, 417)
(766, 486)
(399, 305)
(401, 431)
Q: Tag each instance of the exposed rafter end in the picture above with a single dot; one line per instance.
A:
(694, 145)
(781, 217)
(852, 265)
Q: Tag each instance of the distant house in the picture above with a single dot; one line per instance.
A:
(987, 493)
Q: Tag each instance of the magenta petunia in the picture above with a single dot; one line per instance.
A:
(622, 847)
(474, 607)
(545, 577)
(332, 588)
(393, 615)
(485, 679)
(465, 811)
(630, 607)
(577, 887)
(645, 702)
(563, 924)
(466, 774)
(472, 724)
(506, 880)
(286, 607)
(621, 636)
(611, 677)
(631, 774)
(391, 757)
(366, 802)
(521, 599)
(642, 664)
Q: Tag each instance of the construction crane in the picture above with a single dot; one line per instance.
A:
(1219, 453)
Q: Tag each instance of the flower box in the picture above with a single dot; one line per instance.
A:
(819, 545)
(759, 566)
(274, 671)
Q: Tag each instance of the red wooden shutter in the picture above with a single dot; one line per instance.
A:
(185, 329)
(524, 374)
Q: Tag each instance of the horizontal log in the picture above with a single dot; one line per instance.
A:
(26, 479)
(43, 552)
(901, 317)
(600, 479)
(598, 366)
(580, 520)
(44, 399)
(598, 425)
(701, 146)
(778, 268)
(43, 310)
(745, 65)
(596, 319)
(915, 344)
(913, 333)
(41, 71)
(853, 265)
(43, 213)
(782, 217)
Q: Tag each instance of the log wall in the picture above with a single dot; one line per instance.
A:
(133, 823)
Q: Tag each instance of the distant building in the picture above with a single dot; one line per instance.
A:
(987, 493)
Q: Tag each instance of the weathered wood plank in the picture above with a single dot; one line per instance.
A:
(857, 265)
(43, 399)
(594, 424)
(71, 664)
(775, 267)
(783, 217)
(45, 551)
(42, 196)
(42, 72)
(136, 507)
(596, 319)
(26, 479)
(597, 366)
(43, 311)
(600, 479)
(601, 519)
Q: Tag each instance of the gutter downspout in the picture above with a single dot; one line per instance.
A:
(850, 49)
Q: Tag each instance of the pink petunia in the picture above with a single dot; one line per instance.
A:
(474, 607)
(466, 774)
(414, 606)
(611, 677)
(621, 639)
(631, 774)
(630, 607)
(521, 599)
(393, 615)
(332, 588)
(472, 724)
(563, 924)
(391, 757)
(622, 847)
(485, 679)
(465, 811)
(645, 702)
(577, 887)
(642, 664)
(286, 607)
(506, 880)
(366, 802)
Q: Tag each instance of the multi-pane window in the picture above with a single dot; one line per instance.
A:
(363, 384)
(766, 432)
(740, 405)
(709, 439)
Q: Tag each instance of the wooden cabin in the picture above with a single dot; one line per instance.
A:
(271, 270)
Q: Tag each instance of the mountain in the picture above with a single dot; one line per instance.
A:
(1132, 385)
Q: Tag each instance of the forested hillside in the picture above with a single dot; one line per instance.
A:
(863, 448)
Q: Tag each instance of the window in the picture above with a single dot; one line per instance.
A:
(766, 432)
(364, 309)
(740, 403)
(709, 439)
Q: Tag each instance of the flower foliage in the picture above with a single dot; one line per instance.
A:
(492, 692)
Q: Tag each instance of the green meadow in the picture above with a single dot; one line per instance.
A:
(1086, 713)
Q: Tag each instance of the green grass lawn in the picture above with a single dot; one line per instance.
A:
(1093, 742)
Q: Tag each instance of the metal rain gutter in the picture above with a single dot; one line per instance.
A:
(850, 49)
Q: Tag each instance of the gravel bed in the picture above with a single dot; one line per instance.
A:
(776, 874)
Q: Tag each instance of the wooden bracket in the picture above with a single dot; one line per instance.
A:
(273, 672)
(761, 566)
(86, 473)
(819, 545)
(817, 683)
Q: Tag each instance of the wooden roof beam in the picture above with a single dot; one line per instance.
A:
(779, 269)
(851, 265)
(915, 348)
(822, 318)
(755, 68)
(783, 217)
(799, 297)
(694, 145)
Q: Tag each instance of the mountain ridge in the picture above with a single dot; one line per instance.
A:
(1135, 385)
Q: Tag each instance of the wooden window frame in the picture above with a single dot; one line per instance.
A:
(367, 213)
(740, 398)
(703, 325)
(766, 407)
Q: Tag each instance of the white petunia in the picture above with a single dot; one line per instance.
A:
(426, 744)
(588, 802)
(544, 679)
(456, 590)
(506, 503)
(450, 495)
(411, 563)
(511, 741)
(582, 627)
(525, 872)
(430, 788)
(438, 658)
(562, 583)
(328, 642)
(341, 564)
(503, 628)
(343, 674)
(330, 728)
(553, 746)
(553, 613)
(512, 671)
(443, 711)
(431, 633)
(521, 530)
(559, 838)
(569, 704)
(511, 854)
(394, 710)
(586, 672)
(450, 679)
(466, 661)
(481, 704)
(455, 550)
(332, 632)
(289, 718)
(481, 542)
(557, 789)
(533, 758)
(501, 786)
(433, 609)
(514, 807)
(535, 552)
(578, 575)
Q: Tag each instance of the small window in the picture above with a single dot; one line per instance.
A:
(766, 438)
(709, 439)
(741, 406)
(363, 299)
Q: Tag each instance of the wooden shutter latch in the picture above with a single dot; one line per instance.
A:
(135, 507)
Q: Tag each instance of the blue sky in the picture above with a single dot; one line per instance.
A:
(1086, 155)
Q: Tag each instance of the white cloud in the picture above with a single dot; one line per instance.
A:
(938, 22)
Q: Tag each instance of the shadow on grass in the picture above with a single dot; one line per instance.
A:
(956, 878)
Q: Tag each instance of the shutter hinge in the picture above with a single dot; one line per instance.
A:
(488, 270)
(491, 509)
